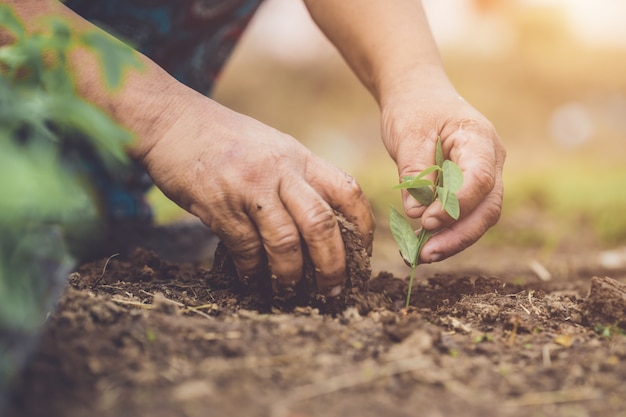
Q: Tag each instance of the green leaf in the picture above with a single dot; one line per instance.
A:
(12, 57)
(404, 235)
(61, 34)
(36, 187)
(414, 183)
(449, 202)
(427, 171)
(424, 195)
(443, 193)
(115, 56)
(57, 80)
(422, 238)
(439, 153)
(452, 206)
(419, 187)
(10, 21)
(452, 176)
(108, 138)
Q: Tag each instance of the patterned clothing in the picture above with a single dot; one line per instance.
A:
(190, 39)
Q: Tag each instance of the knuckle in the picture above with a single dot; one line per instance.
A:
(247, 256)
(320, 224)
(283, 244)
(247, 249)
(494, 211)
(485, 178)
(352, 188)
(465, 241)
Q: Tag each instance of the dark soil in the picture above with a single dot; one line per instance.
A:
(142, 336)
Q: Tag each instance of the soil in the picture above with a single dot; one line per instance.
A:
(139, 335)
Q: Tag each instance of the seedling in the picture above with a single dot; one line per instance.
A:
(448, 180)
(608, 331)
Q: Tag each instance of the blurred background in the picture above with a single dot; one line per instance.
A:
(549, 74)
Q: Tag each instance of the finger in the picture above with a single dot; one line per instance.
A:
(464, 232)
(317, 224)
(478, 182)
(481, 164)
(412, 160)
(242, 240)
(343, 193)
(281, 241)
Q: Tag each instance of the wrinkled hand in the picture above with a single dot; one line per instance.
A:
(262, 192)
(411, 122)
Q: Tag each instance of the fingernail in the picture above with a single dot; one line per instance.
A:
(413, 204)
(435, 257)
(335, 291)
(284, 291)
(431, 223)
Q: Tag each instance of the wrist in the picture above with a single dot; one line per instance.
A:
(150, 108)
(421, 81)
(148, 103)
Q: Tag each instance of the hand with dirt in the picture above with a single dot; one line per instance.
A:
(389, 46)
(266, 196)
(261, 191)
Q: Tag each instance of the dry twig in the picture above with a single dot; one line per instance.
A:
(104, 268)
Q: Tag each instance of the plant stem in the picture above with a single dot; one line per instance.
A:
(422, 238)
(408, 293)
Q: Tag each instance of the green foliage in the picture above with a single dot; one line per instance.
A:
(571, 203)
(40, 110)
(404, 235)
(482, 338)
(114, 56)
(609, 331)
(44, 126)
(38, 94)
(45, 130)
(34, 264)
(448, 180)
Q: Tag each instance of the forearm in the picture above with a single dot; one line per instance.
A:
(386, 43)
(147, 103)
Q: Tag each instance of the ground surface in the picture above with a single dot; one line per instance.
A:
(147, 337)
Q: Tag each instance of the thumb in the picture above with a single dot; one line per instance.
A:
(413, 157)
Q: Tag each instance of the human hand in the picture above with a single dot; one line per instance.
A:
(262, 192)
(412, 119)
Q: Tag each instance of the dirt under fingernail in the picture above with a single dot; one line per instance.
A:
(335, 291)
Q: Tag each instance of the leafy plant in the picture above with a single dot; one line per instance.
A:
(448, 180)
(45, 130)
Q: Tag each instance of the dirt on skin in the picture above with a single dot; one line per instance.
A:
(141, 336)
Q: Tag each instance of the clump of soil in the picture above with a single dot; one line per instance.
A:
(358, 274)
(606, 303)
(141, 336)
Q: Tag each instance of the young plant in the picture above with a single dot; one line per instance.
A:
(448, 180)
